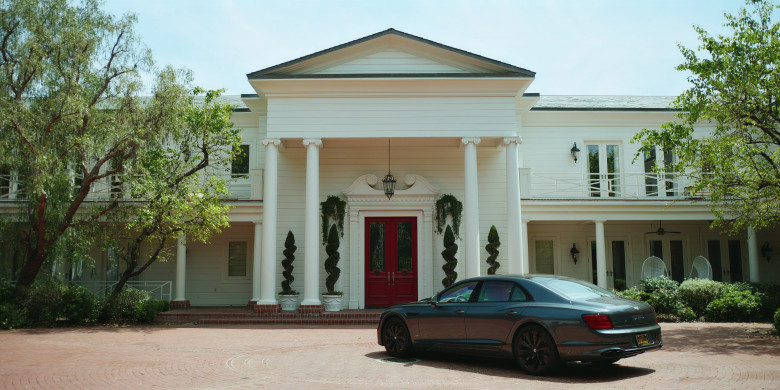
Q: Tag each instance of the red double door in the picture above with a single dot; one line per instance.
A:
(391, 261)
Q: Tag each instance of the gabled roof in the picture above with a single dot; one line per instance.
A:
(492, 68)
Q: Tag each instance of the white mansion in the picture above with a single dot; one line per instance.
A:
(556, 175)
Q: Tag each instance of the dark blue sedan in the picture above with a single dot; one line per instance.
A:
(538, 320)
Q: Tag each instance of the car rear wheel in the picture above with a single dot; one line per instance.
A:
(535, 351)
(395, 338)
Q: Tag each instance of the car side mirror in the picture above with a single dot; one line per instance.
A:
(433, 301)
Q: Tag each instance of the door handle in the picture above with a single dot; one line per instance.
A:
(393, 278)
(459, 312)
(511, 313)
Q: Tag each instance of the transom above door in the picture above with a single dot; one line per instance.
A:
(391, 260)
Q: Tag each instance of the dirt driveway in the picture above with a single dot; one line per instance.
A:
(701, 356)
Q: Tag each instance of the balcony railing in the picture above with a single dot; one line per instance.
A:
(159, 290)
(241, 186)
(594, 186)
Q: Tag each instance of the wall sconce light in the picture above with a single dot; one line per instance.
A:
(574, 252)
(766, 250)
(575, 152)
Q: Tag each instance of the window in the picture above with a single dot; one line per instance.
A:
(239, 166)
(651, 177)
(237, 258)
(458, 293)
(604, 170)
(495, 291)
(544, 257)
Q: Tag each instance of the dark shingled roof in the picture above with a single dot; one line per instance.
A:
(511, 70)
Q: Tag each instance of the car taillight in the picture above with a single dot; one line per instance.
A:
(598, 321)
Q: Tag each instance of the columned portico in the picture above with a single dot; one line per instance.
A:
(601, 255)
(311, 277)
(513, 216)
(752, 254)
(270, 204)
(256, 259)
(181, 274)
(471, 207)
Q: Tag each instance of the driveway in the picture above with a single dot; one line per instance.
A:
(701, 356)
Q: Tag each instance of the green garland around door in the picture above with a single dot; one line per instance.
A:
(333, 208)
(448, 205)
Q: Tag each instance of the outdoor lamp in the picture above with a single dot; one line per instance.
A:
(574, 252)
(766, 250)
(389, 181)
(575, 152)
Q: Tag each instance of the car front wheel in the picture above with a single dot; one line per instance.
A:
(535, 351)
(396, 339)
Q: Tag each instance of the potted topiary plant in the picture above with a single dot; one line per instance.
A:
(331, 299)
(288, 298)
(492, 249)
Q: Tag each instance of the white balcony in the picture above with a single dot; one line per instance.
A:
(567, 185)
(241, 186)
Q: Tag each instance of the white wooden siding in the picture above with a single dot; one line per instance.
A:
(391, 61)
(391, 117)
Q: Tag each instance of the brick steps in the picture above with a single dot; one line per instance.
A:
(243, 316)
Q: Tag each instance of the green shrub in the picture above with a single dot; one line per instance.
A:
(770, 299)
(12, 316)
(736, 304)
(146, 312)
(79, 306)
(661, 293)
(777, 320)
(122, 309)
(698, 293)
(42, 301)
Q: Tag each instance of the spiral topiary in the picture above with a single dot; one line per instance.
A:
(450, 249)
(492, 249)
(332, 249)
(289, 250)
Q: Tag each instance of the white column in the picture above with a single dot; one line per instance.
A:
(752, 254)
(601, 255)
(526, 268)
(181, 267)
(311, 248)
(268, 261)
(513, 213)
(256, 259)
(471, 208)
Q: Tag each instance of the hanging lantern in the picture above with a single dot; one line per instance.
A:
(389, 181)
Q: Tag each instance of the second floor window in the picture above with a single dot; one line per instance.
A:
(239, 166)
(603, 170)
(651, 159)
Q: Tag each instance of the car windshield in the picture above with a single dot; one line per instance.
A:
(574, 289)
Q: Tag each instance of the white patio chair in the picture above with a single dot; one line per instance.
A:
(701, 268)
(653, 267)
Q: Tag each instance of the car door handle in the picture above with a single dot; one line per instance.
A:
(511, 313)
(459, 312)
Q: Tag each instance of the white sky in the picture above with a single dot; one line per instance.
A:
(576, 47)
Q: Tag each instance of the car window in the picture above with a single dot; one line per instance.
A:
(460, 293)
(574, 289)
(495, 291)
(518, 295)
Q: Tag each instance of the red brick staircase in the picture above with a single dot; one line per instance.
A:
(241, 315)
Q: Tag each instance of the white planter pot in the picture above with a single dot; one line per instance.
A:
(332, 302)
(288, 302)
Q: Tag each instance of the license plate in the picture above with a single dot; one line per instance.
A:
(642, 340)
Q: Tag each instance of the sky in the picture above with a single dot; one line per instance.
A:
(576, 47)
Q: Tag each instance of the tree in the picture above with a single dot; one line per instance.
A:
(289, 257)
(331, 263)
(735, 88)
(450, 262)
(71, 119)
(177, 185)
(492, 249)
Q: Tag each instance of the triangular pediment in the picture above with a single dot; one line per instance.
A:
(391, 53)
